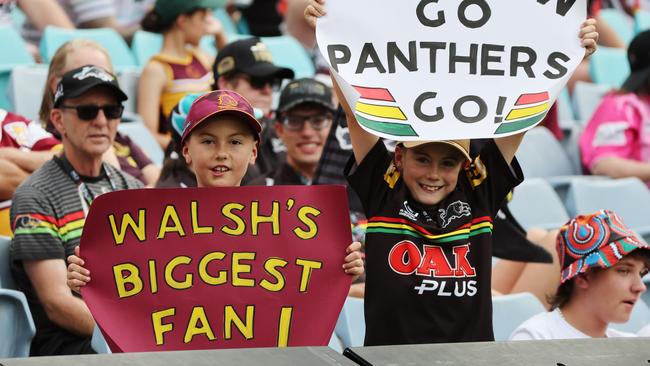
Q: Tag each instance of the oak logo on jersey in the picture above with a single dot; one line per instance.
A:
(405, 258)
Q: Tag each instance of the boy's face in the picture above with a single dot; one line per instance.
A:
(219, 151)
(430, 171)
(614, 291)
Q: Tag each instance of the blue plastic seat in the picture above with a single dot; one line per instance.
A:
(26, 88)
(535, 204)
(6, 279)
(620, 22)
(288, 52)
(144, 45)
(509, 311)
(14, 54)
(16, 324)
(628, 197)
(119, 51)
(641, 21)
(586, 98)
(98, 342)
(609, 66)
(553, 162)
(351, 324)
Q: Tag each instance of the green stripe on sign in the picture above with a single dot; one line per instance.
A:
(520, 125)
(395, 129)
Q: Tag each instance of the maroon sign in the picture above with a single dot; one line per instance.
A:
(203, 268)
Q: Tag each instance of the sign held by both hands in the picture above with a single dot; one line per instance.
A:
(204, 268)
(451, 69)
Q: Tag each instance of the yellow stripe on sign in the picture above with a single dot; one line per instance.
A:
(381, 111)
(527, 112)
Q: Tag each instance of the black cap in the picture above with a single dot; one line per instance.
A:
(75, 83)
(638, 54)
(305, 91)
(251, 57)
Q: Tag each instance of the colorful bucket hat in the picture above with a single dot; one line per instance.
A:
(597, 240)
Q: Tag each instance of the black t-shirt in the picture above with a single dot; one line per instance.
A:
(428, 269)
(283, 176)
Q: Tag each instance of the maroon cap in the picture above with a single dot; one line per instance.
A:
(220, 102)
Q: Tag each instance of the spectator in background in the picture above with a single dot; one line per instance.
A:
(181, 67)
(49, 208)
(39, 13)
(124, 154)
(603, 263)
(303, 121)
(616, 141)
(246, 67)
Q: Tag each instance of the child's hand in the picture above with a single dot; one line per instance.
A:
(313, 11)
(78, 276)
(589, 36)
(353, 264)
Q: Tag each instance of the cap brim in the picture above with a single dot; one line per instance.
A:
(636, 80)
(212, 4)
(454, 144)
(251, 120)
(121, 96)
(268, 70)
(293, 103)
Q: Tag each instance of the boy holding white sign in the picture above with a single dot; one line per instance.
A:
(429, 244)
(220, 140)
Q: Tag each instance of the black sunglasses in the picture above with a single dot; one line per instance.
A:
(260, 83)
(90, 111)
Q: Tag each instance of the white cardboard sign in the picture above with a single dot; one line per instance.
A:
(442, 69)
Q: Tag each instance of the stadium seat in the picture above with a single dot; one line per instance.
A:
(98, 343)
(128, 80)
(16, 324)
(620, 22)
(228, 25)
(144, 45)
(640, 317)
(609, 66)
(139, 133)
(335, 343)
(26, 87)
(351, 324)
(14, 54)
(586, 98)
(509, 311)
(628, 197)
(288, 52)
(6, 279)
(565, 110)
(541, 155)
(641, 21)
(535, 204)
(571, 146)
(120, 52)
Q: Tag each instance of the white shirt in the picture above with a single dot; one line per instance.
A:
(551, 325)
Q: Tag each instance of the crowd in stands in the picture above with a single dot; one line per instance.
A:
(287, 129)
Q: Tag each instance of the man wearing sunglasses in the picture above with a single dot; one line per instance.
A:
(303, 121)
(49, 208)
(246, 67)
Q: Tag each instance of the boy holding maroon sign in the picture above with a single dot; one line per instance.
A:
(220, 140)
(430, 209)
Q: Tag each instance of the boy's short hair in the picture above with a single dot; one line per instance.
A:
(597, 240)
(218, 103)
(461, 145)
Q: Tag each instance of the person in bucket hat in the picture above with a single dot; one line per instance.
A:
(601, 279)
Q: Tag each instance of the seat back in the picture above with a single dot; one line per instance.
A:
(351, 324)
(14, 54)
(98, 343)
(109, 38)
(609, 66)
(535, 204)
(6, 279)
(144, 45)
(288, 52)
(26, 88)
(141, 135)
(641, 21)
(541, 155)
(628, 197)
(586, 98)
(16, 324)
(620, 22)
(509, 311)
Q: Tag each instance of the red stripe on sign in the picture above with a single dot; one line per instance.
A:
(375, 93)
(532, 98)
